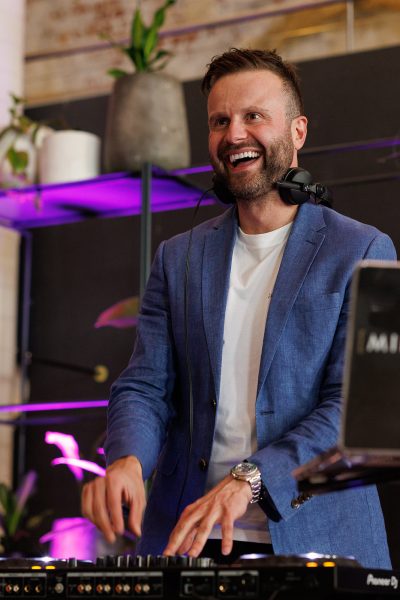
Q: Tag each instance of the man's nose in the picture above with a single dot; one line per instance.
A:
(236, 131)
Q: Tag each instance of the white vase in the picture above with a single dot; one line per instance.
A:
(69, 156)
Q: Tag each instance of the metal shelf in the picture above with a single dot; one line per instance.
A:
(106, 196)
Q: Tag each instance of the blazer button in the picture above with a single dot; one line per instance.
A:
(295, 503)
(214, 403)
(305, 497)
(203, 464)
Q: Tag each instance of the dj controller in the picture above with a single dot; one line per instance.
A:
(179, 577)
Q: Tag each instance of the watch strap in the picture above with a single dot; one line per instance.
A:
(253, 479)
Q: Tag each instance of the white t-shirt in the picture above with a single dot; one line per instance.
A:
(255, 264)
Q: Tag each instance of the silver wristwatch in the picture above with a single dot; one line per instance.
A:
(246, 471)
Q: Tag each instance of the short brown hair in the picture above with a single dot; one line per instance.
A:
(236, 60)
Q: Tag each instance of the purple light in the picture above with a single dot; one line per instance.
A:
(193, 170)
(100, 451)
(86, 465)
(69, 448)
(49, 406)
(72, 537)
(112, 195)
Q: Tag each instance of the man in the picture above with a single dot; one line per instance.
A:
(239, 352)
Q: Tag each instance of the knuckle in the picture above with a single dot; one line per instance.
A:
(187, 510)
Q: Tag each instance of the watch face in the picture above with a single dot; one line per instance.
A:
(244, 469)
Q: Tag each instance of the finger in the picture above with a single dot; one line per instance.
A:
(136, 509)
(201, 537)
(187, 542)
(113, 499)
(183, 529)
(86, 502)
(227, 535)
(99, 508)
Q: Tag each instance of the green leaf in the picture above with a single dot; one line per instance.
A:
(117, 73)
(17, 99)
(161, 54)
(159, 16)
(136, 57)
(143, 40)
(25, 123)
(18, 160)
(14, 521)
(3, 497)
(9, 506)
(150, 43)
(137, 30)
(35, 130)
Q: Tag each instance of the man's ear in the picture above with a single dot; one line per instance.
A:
(299, 131)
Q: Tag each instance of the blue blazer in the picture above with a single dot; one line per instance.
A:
(299, 388)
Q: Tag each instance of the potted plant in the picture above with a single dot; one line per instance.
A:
(146, 120)
(16, 525)
(19, 143)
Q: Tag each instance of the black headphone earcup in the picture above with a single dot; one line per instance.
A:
(290, 187)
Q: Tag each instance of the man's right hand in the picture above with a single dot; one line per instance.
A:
(102, 498)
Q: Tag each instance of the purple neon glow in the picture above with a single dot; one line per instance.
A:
(112, 195)
(193, 170)
(49, 406)
(61, 526)
(69, 449)
(100, 451)
(86, 465)
(120, 194)
(73, 536)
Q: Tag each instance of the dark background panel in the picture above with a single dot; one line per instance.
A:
(80, 269)
(352, 97)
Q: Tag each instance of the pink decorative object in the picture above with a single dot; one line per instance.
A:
(72, 537)
(86, 465)
(69, 449)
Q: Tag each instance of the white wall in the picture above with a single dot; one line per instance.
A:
(12, 31)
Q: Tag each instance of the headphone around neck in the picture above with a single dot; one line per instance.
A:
(295, 187)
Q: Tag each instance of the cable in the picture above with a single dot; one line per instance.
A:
(187, 354)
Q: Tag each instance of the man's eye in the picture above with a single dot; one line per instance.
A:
(253, 116)
(219, 123)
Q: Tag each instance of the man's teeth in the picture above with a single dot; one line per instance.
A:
(243, 155)
(234, 157)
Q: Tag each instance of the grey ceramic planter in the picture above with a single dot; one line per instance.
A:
(146, 122)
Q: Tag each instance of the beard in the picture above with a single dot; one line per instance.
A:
(245, 187)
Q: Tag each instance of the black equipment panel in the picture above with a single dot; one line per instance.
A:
(181, 577)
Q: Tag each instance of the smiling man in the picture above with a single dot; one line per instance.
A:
(228, 392)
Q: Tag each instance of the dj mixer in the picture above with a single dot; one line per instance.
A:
(179, 577)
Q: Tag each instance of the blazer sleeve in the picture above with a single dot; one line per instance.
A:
(319, 430)
(140, 406)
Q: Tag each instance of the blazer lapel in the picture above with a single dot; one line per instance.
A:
(218, 248)
(302, 246)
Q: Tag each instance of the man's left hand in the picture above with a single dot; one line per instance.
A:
(223, 504)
